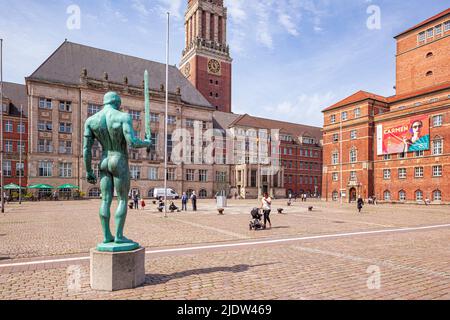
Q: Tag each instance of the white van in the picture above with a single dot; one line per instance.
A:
(159, 192)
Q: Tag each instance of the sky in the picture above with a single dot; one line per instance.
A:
(291, 58)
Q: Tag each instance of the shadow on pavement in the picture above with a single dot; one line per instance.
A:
(155, 279)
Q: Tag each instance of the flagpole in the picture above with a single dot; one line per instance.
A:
(166, 116)
(1, 126)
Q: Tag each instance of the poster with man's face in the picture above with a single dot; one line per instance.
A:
(409, 135)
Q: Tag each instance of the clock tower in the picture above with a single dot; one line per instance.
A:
(206, 60)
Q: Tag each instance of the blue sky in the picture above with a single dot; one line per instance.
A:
(292, 58)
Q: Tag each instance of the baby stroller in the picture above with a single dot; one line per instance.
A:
(256, 223)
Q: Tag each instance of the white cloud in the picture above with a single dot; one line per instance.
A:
(172, 6)
(140, 6)
(235, 10)
(286, 21)
(264, 32)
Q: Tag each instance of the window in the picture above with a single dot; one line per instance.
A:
(45, 146)
(21, 128)
(171, 174)
(20, 169)
(154, 117)
(65, 127)
(94, 193)
(203, 194)
(65, 147)
(335, 196)
(335, 158)
(419, 153)
(437, 121)
(430, 33)
(190, 175)
(8, 126)
(344, 116)
(419, 195)
(45, 169)
(135, 115)
(333, 118)
(387, 195)
(153, 173)
(447, 26)
(353, 176)
(135, 172)
(7, 168)
(437, 195)
(429, 55)
(402, 173)
(171, 120)
(429, 74)
(402, 195)
(65, 170)
(387, 174)
(353, 134)
(93, 109)
(418, 172)
(438, 146)
(438, 29)
(353, 156)
(335, 176)
(221, 176)
(45, 126)
(65, 106)
(8, 146)
(387, 157)
(421, 37)
(190, 123)
(203, 175)
(437, 171)
(357, 112)
(402, 155)
(45, 103)
(21, 146)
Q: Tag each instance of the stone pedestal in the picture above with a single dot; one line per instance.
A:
(112, 271)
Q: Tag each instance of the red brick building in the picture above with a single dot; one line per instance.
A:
(15, 147)
(206, 60)
(370, 147)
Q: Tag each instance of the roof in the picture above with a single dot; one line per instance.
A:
(66, 63)
(17, 93)
(294, 129)
(396, 98)
(433, 18)
(223, 120)
(356, 97)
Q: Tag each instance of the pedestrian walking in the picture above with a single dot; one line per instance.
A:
(184, 200)
(194, 201)
(360, 203)
(136, 201)
(266, 205)
(143, 204)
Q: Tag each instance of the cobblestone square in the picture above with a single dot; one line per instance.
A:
(332, 252)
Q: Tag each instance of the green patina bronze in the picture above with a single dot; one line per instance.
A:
(114, 131)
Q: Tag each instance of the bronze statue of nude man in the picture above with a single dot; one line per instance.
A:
(113, 129)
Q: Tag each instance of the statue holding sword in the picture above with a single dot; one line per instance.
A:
(114, 131)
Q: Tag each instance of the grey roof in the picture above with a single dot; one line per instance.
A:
(17, 93)
(66, 63)
(222, 120)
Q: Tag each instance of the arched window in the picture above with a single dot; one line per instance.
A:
(387, 195)
(203, 194)
(189, 192)
(419, 195)
(429, 73)
(402, 195)
(335, 196)
(437, 195)
(353, 155)
(94, 193)
(438, 145)
(429, 54)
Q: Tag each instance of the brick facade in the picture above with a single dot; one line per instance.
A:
(352, 165)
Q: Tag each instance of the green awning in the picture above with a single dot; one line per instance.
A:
(68, 186)
(41, 186)
(11, 186)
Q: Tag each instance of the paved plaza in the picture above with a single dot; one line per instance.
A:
(387, 252)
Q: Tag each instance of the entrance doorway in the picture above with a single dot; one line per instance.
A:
(352, 194)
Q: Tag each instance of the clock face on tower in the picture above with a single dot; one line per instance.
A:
(214, 66)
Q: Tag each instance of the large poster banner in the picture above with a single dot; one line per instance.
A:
(409, 135)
